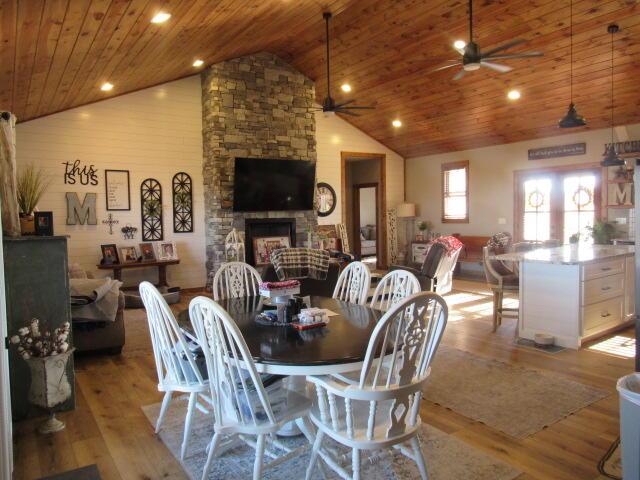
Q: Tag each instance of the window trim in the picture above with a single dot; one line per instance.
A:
(445, 167)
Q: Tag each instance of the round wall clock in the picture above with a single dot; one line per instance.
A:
(325, 199)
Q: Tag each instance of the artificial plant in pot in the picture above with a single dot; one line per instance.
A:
(425, 228)
(602, 232)
(32, 184)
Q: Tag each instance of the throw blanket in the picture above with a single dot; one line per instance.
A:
(452, 244)
(300, 263)
(100, 297)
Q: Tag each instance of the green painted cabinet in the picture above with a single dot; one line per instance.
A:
(37, 286)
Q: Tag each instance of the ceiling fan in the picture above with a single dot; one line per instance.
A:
(329, 105)
(473, 58)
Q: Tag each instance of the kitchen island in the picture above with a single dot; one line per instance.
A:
(575, 293)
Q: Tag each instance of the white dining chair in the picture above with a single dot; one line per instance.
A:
(236, 279)
(242, 407)
(353, 284)
(383, 409)
(176, 367)
(394, 287)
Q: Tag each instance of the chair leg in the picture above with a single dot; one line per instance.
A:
(212, 449)
(500, 301)
(257, 466)
(163, 409)
(314, 454)
(417, 452)
(187, 424)
(495, 311)
(355, 463)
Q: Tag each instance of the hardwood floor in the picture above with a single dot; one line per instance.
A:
(109, 429)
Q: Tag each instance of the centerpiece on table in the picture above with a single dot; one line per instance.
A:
(46, 355)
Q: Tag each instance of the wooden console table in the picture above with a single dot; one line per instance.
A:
(161, 265)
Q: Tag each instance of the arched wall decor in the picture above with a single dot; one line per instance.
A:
(182, 203)
(151, 208)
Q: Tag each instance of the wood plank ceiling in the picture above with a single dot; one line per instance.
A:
(55, 54)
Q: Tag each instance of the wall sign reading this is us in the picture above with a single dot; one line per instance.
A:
(75, 173)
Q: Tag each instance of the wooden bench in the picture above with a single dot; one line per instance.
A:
(472, 250)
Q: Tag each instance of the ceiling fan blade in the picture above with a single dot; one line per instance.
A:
(459, 75)
(496, 66)
(358, 107)
(344, 103)
(446, 66)
(347, 112)
(513, 55)
(506, 46)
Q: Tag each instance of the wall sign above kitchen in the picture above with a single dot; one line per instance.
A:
(621, 148)
(557, 151)
(75, 173)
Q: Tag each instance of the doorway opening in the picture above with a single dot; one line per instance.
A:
(363, 211)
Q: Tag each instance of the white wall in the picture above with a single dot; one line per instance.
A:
(491, 183)
(155, 133)
(335, 135)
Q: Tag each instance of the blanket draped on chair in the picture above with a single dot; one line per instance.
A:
(300, 263)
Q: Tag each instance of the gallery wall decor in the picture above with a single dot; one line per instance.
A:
(151, 208)
(557, 151)
(129, 231)
(75, 172)
(182, 203)
(81, 213)
(117, 190)
(111, 222)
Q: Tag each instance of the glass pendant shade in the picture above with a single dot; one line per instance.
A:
(611, 158)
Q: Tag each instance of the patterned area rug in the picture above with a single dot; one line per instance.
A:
(512, 399)
(447, 458)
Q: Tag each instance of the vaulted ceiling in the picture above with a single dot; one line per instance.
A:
(55, 54)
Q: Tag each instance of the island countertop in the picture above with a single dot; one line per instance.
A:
(569, 254)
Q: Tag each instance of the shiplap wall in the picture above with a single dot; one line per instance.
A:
(155, 133)
(334, 135)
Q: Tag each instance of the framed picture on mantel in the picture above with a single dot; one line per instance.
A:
(117, 189)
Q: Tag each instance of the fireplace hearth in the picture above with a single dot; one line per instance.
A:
(267, 227)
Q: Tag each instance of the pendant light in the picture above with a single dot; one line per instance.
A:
(611, 158)
(571, 119)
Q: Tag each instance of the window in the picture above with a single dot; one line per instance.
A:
(556, 203)
(455, 192)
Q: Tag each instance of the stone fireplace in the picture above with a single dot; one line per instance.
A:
(267, 227)
(255, 106)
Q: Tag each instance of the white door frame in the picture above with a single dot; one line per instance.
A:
(6, 435)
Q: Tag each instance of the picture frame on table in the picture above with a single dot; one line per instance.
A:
(117, 190)
(43, 223)
(167, 251)
(129, 254)
(263, 246)
(109, 254)
(148, 252)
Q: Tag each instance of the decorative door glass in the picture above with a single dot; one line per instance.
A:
(579, 206)
(537, 209)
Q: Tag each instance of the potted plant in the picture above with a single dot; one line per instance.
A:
(424, 226)
(32, 184)
(47, 355)
(602, 232)
(574, 239)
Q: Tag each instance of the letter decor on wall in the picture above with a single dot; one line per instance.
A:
(151, 208)
(81, 213)
(182, 203)
(73, 173)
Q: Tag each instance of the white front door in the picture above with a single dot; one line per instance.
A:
(6, 440)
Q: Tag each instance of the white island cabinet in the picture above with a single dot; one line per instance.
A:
(575, 293)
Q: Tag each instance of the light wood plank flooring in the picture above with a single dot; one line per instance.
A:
(108, 427)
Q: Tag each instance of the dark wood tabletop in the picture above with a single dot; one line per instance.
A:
(344, 340)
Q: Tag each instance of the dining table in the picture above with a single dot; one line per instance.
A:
(337, 348)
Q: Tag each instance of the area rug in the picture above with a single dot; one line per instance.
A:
(512, 399)
(447, 457)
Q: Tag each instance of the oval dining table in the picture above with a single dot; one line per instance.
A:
(337, 348)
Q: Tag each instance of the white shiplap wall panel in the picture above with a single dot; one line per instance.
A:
(156, 133)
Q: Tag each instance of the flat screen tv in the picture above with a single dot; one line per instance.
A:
(263, 184)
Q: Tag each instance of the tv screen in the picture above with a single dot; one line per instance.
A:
(269, 184)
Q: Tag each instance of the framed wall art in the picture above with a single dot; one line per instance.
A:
(182, 203)
(117, 189)
(43, 223)
(151, 208)
(129, 254)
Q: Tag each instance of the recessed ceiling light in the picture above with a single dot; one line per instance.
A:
(198, 63)
(396, 123)
(459, 44)
(160, 17)
(346, 87)
(106, 87)
(513, 94)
